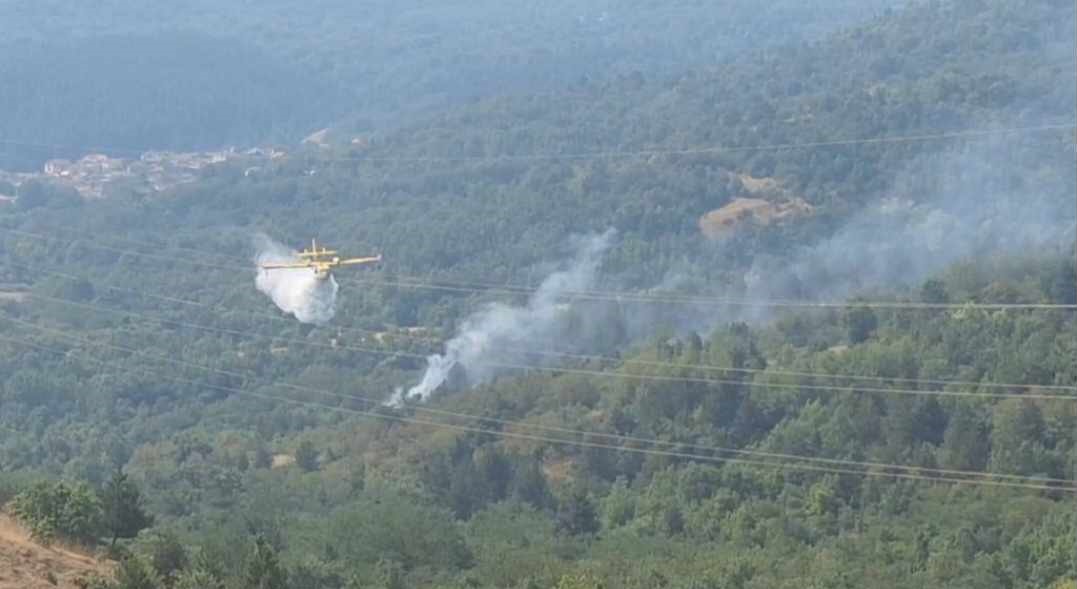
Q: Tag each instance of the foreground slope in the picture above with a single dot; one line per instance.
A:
(25, 564)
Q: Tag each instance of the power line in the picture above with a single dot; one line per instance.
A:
(547, 428)
(589, 357)
(622, 154)
(629, 297)
(1074, 449)
(602, 155)
(93, 245)
(82, 235)
(578, 371)
(221, 330)
(808, 459)
(192, 303)
(705, 380)
(597, 295)
(501, 433)
(143, 353)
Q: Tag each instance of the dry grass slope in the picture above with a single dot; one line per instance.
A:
(25, 564)
(765, 201)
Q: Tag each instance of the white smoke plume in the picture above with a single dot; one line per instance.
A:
(295, 291)
(502, 334)
(973, 202)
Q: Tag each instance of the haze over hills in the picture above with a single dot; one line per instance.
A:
(572, 232)
(503, 218)
(172, 75)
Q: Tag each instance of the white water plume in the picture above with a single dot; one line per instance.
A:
(296, 291)
(500, 334)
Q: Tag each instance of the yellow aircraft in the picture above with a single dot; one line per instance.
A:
(322, 261)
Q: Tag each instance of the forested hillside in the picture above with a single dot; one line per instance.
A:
(503, 218)
(876, 390)
(339, 497)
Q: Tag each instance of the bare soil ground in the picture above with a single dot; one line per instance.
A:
(25, 564)
(283, 460)
(742, 211)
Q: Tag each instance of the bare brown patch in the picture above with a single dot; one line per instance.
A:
(723, 222)
(25, 564)
(283, 460)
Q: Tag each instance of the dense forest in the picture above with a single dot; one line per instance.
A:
(671, 427)
(336, 498)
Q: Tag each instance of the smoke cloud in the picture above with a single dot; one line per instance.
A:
(502, 334)
(295, 291)
(972, 202)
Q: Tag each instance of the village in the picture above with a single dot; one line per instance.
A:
(153, 171)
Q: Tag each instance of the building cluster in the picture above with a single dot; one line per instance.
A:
(155, 171)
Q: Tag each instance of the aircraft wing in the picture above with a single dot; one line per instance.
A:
(287, 265)
(357, 261)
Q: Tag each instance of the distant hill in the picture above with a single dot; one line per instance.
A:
(936, 68)
(933, 68)
(202, 73)
(123, 94)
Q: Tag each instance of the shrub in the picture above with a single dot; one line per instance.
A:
(59, 509)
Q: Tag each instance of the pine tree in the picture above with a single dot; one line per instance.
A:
(860, 323)
(306, 456)
(262, 458)
(123, 512)
(264, 570)
(577, 514)
(529, 484)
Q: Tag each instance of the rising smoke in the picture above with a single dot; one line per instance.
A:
(502, 334)
(977, 201)
(972, 202)
(295, 291)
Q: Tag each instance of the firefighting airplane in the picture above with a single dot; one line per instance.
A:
(322, 261)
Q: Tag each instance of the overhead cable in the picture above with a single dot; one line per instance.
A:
(622, 154)
(579, 371)
(613, 296)
(584, 357)
(585, 443)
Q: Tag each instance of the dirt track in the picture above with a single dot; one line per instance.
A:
(25, 564)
